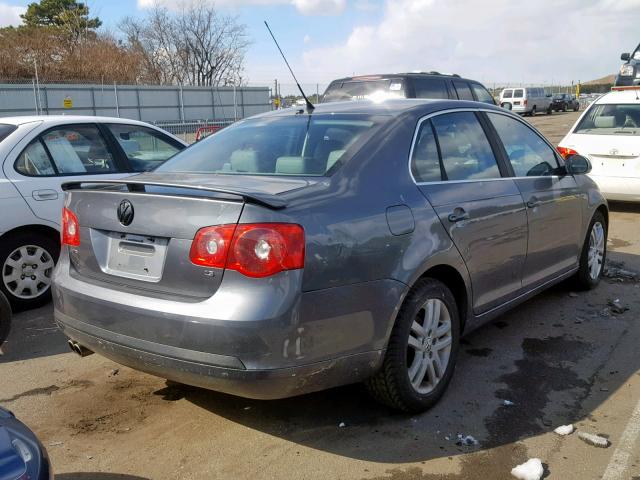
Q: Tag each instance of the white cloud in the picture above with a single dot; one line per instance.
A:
(306, 39)
(10, 15)
(305, 7)
(500, 41)
(320, 7)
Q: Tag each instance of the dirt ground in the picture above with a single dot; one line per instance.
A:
(562, 357)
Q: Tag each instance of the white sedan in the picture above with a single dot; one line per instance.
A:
(608, 133)
(37, 155)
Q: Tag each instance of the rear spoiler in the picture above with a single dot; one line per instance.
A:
(260, 198)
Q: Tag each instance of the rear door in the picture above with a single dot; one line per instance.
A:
(57, 155)
(554, 203)
(455, 166)
(463, 89)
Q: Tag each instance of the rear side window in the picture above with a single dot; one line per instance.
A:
(6, 130)
(67, 150)
(530, 156)
(465, 150)
(425, 161)
(482, 94)
(430, 88)
(464, 92)
(144, 147)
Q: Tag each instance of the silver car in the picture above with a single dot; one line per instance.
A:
(294, 252)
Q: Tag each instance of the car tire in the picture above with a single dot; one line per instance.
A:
(419, 362)
(5, 318)
(576, 108)
(30, 253)
(533, 112)
(549, 111)
(594, 254)
(564, 107)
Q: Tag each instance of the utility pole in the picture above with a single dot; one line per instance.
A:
(276, 100)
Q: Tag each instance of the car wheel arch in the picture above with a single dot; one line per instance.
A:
(43, 230)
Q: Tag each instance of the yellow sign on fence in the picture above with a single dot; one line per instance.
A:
(67, 102)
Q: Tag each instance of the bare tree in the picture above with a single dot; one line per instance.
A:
(194, 46)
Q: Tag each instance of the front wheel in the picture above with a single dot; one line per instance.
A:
(26, 267)
(422, 350)
(594, 252)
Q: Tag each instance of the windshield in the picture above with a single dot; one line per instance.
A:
(611, 119)
(363, 89)
(5, 130)
(291, 145)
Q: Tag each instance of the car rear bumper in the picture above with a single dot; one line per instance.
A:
(243, 341)
(625, 189)
(267, 384)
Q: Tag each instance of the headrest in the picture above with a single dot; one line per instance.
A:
(290, 165)
(605, 122)
(244, 161)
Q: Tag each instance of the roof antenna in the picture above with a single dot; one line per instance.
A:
(310, 106)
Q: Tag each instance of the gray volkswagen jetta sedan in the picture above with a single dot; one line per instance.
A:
(295, 251)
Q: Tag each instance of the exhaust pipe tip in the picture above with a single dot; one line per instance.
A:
(79, 349)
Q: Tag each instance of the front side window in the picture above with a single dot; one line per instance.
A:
(144, 147)
(482, 94)
(464, 147)
(464, 92)
(611, 119)
(67, 150)
(528, 153)
(430, 88)
(282, 145)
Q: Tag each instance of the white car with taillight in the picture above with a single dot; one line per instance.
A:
(608, 134)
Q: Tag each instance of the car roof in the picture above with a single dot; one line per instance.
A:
(631, 95)
(385, 76)
(390, 107)
(61, 119)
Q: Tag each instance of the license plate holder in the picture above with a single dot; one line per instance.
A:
(136, 256)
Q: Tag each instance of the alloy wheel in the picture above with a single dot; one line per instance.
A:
(430, 341)
(596, 250)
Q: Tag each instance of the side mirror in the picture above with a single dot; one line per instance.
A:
(577, 165)
(625, 57)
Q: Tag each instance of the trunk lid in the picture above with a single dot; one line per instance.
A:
(150, 251)
(610, 155)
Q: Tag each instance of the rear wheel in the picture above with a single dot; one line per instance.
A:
(422, 350)
(26, 267)
(533, 111)
(594, 252)
(549, 110)
(564, 107)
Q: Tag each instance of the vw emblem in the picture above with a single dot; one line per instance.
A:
(613, 151)
(125, 212)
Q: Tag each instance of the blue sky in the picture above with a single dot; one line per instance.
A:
(492, 41)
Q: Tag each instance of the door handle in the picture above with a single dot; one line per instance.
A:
(533, 202)
(458, 215)
(41, 195)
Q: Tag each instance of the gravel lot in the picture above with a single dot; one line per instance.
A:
(561, 358)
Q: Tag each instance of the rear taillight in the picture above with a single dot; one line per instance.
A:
(255, 250)
(524, 102)
(70, 228)
(566, 152)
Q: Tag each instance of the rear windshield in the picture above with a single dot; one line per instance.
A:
(6, 130)
(363, 89)
(507, 94)
(519, 93)
(611, 119)
(292, 145)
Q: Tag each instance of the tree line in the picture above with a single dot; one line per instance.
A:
(59, 41)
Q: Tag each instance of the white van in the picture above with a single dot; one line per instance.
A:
(526, 100)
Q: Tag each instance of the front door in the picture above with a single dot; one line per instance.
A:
(553, 201)
(455, 167)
